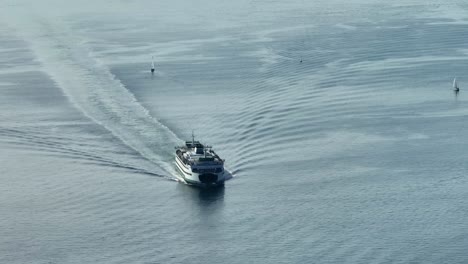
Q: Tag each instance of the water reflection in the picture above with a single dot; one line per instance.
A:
(455, 92)
(205, 208)
(203, 197)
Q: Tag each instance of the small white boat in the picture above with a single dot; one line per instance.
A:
(455, 85)
(152, 64)
(199, 164)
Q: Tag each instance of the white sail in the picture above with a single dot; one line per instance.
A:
(152, 63)
(455, 83)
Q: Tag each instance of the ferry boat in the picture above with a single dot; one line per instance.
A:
(199, 164)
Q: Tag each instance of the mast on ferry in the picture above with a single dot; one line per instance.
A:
(193, 139)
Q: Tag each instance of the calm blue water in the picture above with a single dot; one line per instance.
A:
(357, 154)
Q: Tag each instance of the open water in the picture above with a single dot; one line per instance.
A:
(357, 154)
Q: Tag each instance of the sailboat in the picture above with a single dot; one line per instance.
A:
(152, 64)
(456, 88)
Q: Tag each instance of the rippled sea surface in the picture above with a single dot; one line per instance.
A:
(337, 120)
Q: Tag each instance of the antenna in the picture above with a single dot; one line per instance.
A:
(193, 138)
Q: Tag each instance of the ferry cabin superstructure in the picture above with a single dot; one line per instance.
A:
(199, 164)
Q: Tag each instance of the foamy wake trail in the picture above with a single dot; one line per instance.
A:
(98, 93)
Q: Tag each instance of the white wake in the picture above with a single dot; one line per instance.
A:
(92, 88)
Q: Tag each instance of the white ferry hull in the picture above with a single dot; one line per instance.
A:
(205, 179)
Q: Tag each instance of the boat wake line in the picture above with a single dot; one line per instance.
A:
(94, 90)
